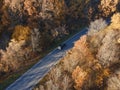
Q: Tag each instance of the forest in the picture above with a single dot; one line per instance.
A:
(28, 29)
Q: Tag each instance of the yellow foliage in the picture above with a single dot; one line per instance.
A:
(116, 18)
(115, 21)
(21, 33)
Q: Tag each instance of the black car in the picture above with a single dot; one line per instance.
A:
(61, 46)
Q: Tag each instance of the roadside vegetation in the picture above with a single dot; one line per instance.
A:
(92, 64)
(14, 73)
(29, 29)
(28, 33)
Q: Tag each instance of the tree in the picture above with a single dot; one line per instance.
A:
(21, 33)
(35, 40)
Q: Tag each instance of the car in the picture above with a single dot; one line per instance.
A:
(61, 46)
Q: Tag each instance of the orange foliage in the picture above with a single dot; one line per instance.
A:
(79, 77)
(82, 45)
(115, 21)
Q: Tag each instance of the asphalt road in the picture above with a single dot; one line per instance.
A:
(29, 79)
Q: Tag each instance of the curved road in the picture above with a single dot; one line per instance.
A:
(29, 79)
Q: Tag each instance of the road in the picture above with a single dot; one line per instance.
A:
(29, 79)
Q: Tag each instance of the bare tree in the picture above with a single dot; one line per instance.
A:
(35, 39)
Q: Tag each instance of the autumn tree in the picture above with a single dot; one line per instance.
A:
(21, 33)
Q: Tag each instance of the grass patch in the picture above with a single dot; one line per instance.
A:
(9, 79)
